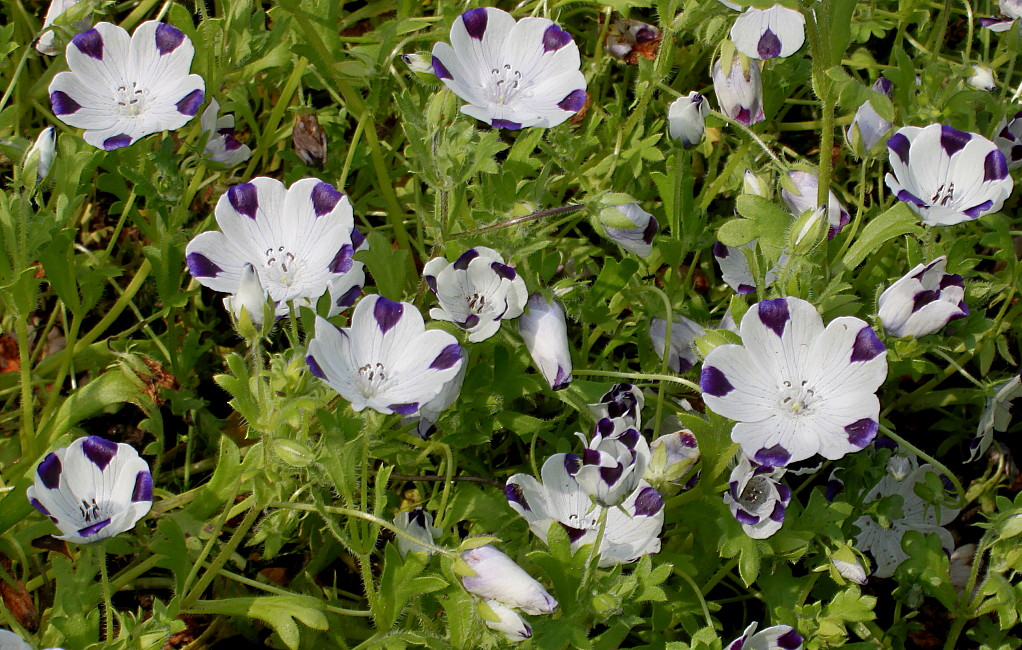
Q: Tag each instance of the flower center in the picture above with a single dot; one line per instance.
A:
(797, 399)
(131, 98)
(476, 303)
(281, 263)
(755, 492)
(504, 82)
(372, 375)
(943, 195)
(89, 511)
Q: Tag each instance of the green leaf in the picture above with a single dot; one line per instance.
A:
(897, 221)
(111, 388)
(58, 262)
(840, 16)
(280, 612)
(386, 265)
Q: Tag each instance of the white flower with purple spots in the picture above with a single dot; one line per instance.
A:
(387, 360)
(47, 42)
(778, 637)
(419, 524)
(923, 301)
(947, 176)
(883, 542)
(512, 74)
(545, 333)
(757, 499)
(301, 242)
(795, 388)
(1011, 10)
(803, 198)
(476, 292)
(997, 414)
(631, 228)
(672, 456)
(499, 578)
(735, 269)
(613, 461)
(121, 88)
(623, 401)
(740, 91)
(681, 353)
(508, 622)
(1009, 140)
(92, 489)
(221, 145)
(868, 128)
(686, 119)
(768, 33)
(559, 498)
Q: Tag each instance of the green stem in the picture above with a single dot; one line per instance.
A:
(534, 216)
(108, 615)
(27, 437)
(638, 376)
(221, 559)
(750, 134)
(665, 357)
(594, 552)
(698, 594)
(719, 575)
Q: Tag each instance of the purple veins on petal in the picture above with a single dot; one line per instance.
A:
(387, 313)
(116, 142)
(899, 144)
(324, 198)
(995, 167)
(778, 512)
(190, 103)
(463, 260)
(49, 471)
(449, 356)
(554, 38)
(168, 38)
(976, 210)
(89, 531)
(503, 271)
(909, 197)
(774, 314)
(648, 503)
(475, 22)
(574, 534)
(405, 409)
(99, 450)
(143, 487)
(244, 199)
(314, 367)
(505, 124)
(790, 640)
(746, 518)
(90, 43)
(867, 346)
(343, 260)
(861, 432)
(952, 140)
(714, 382)
(769, 45)
(776, 456)
(514, 493)
(62, 103)
(201, 266)
(440, 70)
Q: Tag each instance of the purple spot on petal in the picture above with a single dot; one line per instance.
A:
(951, 280)
(357, 238)
(769, 45)
(90, 43)
(574, 534)
(899, 144)
(562, 380)
(475, 22)
(720, 251)
(995, 168)
(572, 463)
(648, 503)
(745, 289)
(778, 512)
(684, 365)
(89, 531)
(647, 34)
(604, 427)
(231, 143)
(714, 382)
(952, 140)
(245, 199)
(62, 103)
(343, 260)
(405, 409)
(514, 493)
(629, 438)
(976, 210)
(776, 456)
(554, 38)
(744, 116)
(651, 229)
(116, 142)
(909, 197)
(99, 450)
(774, 314)
(746, 518)
(867, 346)
(314, 367)
(349, 297)
(449, 356)
(573, 101)
(324, 198)
(923, 298)
(168, 38)
(861, 432)
(387, 313)
(590, 457)
(505, 124)
(611, 475)
(40, 507)
(201, 266)
(440, 70)
(783, 492)
(461, 264)
(471, 321)
(883, 85)
(143, 487)
(503, 271)
(834, 488)
(49, 471)
(790, 640)
(190, 103)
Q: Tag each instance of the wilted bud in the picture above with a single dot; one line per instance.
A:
(498, 577)
(868, 128)
(629, 39)
(419, 524)
(249, 301)
(923, 301)
(545, 333)
(42, 152)
(631, 227)
(739, 92)
(681, 352)
(309, 140)
(982, 78)
(686, 119)
(501, 618)
(803, 198)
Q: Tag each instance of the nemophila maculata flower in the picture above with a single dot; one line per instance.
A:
(795, 388)
(686, 119)
(613, 461)
(512, 74)
(630, 227)
(499, 578)
(739, 91)
(623, 401)
(923, 301)
(476, 292)
(47, 43)
(417, 523)
(883, 542)
(1011, 10)
(769, 33)
(1009, 140)
(807, 186)
(301, 242)
(945, 175)
(997, 414)
(386, 360)
(868, 128)
(735, 269)
(92, 489)
(681, 353)
(121, 88)
(778, 637)
(221, 145)
(559, 498)
(756, 497)
(545, 333)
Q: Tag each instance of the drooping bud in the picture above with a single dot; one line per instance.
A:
(498, 577)
(739, 91)
(545, 333)
(636, 239)
(419, 524)
(923, 301)
(42, 153)
(686, 119)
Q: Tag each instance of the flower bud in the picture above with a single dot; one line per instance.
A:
(637, 239)
(739, 92)
(868, 128)
(250, 299)
(501, 618)
(418, 63)
(309, 140)
(47, 43)
(681, 353)
(752, 184)
(498, 577)
(923, 301)
(673, 456)
(982, 78)
(686, 119)
(847, 565)
(42, 152)
(545, 334)
(419, 524)
(803, 198)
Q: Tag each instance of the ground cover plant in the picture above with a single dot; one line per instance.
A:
(644, 324)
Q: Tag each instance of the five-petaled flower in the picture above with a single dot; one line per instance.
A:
(121, 88)
(512, 74)
(947, 176)
(92, 489)
(768, 33)
(778, 637)
(221, 145)
(1009, 140)
(739, 91)
(387, 360)
(757, 498)
(807, 185)
(795, 388)
(613, 462)
(301, 242)
(923, 301)
(476, 292)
